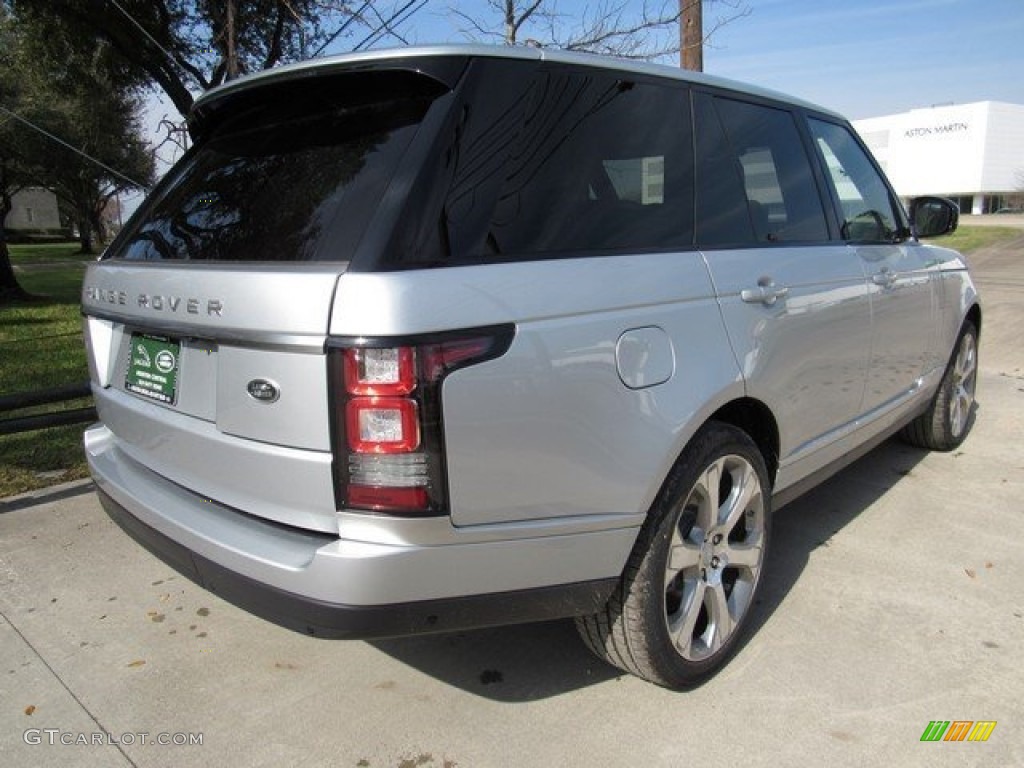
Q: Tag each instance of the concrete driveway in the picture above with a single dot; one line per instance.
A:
(894, 598)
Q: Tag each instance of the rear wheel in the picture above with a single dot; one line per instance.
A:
(946, 423)
(687, 590)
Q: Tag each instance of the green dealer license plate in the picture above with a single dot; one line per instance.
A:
(153, 367)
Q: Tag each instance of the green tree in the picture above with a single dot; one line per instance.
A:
(68, 122)
(187, 46)
(11, 176)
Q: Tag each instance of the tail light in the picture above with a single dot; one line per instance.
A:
(387, 424)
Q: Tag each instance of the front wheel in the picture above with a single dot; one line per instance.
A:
(951, 414)
(688, 588)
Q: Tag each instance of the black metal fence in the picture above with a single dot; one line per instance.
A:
(22, 400)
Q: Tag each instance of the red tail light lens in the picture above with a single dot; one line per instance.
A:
(370, 371)
(382, 425)
(381, 498)
(387, 430)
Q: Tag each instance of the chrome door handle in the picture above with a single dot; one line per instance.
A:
(884, 277)
(767, 292)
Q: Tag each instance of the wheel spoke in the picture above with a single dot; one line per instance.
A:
(681, 556)
(749, 488)
(745, 555)
(966, 399)
(681, 628)
(966, 360)
(721, 622)
(707, 488)
(967, 372)
(965, 368)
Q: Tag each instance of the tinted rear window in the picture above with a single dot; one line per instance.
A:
(294, 174)
(602, 164)
(556, 162)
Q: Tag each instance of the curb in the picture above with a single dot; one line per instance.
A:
(46, 495)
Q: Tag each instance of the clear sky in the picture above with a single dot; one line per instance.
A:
(877, 57)
(862, 58)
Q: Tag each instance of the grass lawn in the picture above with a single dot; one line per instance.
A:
(48, 252)
(967, 239)
(41, 346)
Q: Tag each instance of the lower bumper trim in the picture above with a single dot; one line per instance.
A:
(332, 620)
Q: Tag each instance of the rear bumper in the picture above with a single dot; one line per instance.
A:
(324, 619)
(327, 586)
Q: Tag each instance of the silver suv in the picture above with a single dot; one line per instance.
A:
(443, 338)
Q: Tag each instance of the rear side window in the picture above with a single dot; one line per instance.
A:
(754, 179)
(271, 182)
(540, 162)
(868, 213)
(601, 164)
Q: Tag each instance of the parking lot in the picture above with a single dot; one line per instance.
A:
(893, 599)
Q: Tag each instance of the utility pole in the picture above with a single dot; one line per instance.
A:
(691, 35)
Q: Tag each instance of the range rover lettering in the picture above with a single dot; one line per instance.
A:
(451, 337)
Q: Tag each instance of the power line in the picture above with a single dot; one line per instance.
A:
(340, 29)
(77, 151)
(153, 40)
(386, 27)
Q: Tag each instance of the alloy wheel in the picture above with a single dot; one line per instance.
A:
(715, 557)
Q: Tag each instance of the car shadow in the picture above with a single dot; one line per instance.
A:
(813, 519)
(538, 661)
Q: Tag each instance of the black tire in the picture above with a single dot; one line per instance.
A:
(719, 566)
(949, 418)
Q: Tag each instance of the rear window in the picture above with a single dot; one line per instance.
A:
(294, 172)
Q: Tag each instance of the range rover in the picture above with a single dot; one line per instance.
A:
(440, 338)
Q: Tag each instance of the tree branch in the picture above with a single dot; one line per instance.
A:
(524, 17)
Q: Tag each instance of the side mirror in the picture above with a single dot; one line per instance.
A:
(933, 216)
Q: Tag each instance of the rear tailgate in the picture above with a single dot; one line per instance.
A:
(207, 319)
(216, 379)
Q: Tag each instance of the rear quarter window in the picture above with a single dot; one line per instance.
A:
(578, 162)
(602, 164)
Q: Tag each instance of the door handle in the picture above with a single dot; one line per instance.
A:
(767, 292)
(884, 277)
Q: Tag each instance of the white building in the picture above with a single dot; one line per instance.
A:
(33, 209)
(971, 153)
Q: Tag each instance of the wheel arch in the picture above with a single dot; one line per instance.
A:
(974, 316)
(757, 420)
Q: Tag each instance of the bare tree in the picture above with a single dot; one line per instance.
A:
(625, 28)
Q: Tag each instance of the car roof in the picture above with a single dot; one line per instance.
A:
(345, 61)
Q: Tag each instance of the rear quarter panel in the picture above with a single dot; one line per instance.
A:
(550, 429)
